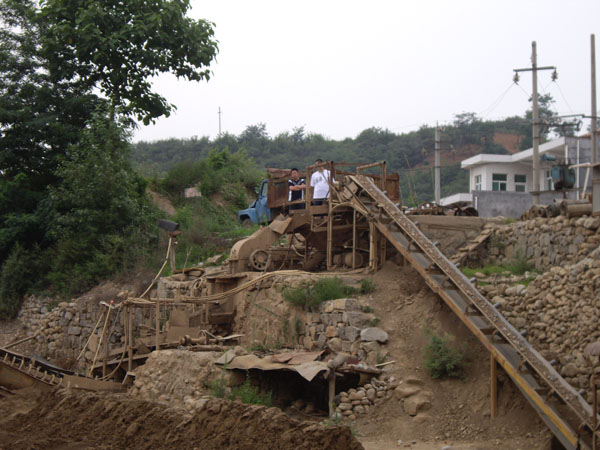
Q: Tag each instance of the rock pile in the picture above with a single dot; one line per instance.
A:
(359, 401)
(559, 314)
(176, 377)
(556, 241)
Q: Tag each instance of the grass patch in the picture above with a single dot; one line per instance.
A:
(251, 395)
(518, 266)
(366, 308)
(443, 360)
(367, 286)
(309, 297)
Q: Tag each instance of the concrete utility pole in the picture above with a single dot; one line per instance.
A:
(536, 127)
(536, 121)
(219, 121)
(595, 169)
(436, 165)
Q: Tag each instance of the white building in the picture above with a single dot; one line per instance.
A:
(513, 174)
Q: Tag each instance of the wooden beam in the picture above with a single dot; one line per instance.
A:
(493, 387)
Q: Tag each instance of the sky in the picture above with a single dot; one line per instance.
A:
(339, 67)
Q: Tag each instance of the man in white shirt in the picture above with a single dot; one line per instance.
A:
(320, 183)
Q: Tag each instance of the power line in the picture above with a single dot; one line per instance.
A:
(563, 97)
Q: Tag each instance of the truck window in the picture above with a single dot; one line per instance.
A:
(263, 189)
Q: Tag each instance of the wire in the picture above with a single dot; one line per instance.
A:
(496, 103)
(563, 97)
(524, 91)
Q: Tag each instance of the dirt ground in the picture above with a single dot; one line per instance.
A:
(460, 413)
(76, 420)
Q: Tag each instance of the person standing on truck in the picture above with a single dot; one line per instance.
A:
(296, 186)
(320, 183)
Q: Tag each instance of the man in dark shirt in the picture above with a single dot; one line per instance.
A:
(296, 186)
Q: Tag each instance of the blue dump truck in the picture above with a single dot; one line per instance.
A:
(258, 211)
(272, 198)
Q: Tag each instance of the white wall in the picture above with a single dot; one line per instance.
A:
(510, 169)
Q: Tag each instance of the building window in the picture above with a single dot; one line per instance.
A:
(520, 183)
(549, 184)
(477, 183)
(499, 182)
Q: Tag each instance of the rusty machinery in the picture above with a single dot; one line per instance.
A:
(329, 235)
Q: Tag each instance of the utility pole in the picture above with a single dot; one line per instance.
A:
(595, 168)
(436, 165)
(219, 121)
(536, 120)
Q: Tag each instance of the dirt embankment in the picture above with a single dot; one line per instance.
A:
(69, 419)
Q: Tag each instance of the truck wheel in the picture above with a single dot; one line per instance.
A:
(246, 222)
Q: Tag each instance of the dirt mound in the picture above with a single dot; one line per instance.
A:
(69, 419)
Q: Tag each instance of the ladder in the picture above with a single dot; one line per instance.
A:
(559, 405)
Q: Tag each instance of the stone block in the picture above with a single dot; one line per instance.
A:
(330, 331)
(351, 333)
(357, 319)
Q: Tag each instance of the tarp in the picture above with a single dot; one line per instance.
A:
(308, 369)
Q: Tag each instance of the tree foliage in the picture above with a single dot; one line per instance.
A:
(73, 75)
(118, 46)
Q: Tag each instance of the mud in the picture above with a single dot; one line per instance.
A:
(67, 419)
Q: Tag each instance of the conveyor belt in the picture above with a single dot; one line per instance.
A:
(556, 401)
(18, 371)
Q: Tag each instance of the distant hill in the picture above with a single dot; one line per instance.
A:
(411, 153)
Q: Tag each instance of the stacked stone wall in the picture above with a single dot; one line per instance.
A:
(62, 329)
(545, 243)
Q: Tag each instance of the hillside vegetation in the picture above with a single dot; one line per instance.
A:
(410, 153)
(208, 223)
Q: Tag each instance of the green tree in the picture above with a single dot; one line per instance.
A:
(117, 46)
(101, 211)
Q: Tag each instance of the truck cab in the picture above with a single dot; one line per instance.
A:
(258, 211)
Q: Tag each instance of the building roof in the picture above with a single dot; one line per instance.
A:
(555, 146)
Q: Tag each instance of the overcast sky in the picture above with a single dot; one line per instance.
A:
(338, 67)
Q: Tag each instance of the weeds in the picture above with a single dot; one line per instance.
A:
(309, 297)
(443, 360)
(366, 308)
(218, 387)
(251, 395)
(367, 286)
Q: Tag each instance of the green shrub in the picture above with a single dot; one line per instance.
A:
(251, 395)
(218, 387)
(16, 278)
(367, 286)
(443, 360)
(332, 288)
(309, 297)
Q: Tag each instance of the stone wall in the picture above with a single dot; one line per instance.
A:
(342, 325)
(62, 329)
(546, 243)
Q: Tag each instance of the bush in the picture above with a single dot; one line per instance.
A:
(251, 395)
(17, 276)
(218, 387)
(367, 286)
(442, 360)
(309, 297)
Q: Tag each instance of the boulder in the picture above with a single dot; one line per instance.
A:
(373, 334)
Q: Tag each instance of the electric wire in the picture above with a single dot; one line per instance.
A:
(563, 97)
(496, 103)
